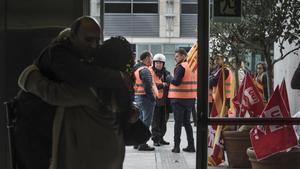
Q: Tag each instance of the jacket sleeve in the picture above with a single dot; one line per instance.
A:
(58, 94)
(295, 83)
(178, 75)
(146, 77)
(213, 79)
(69, 69)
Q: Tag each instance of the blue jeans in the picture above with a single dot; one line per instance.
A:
(146, 107)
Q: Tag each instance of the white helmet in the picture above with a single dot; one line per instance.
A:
(159, 57)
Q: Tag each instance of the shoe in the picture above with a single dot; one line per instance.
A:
(135, 146)
(190, 149)
(176, 149)
(163, 142)
(156, 144)
(145, 147)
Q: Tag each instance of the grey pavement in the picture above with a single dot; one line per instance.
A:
(162, 157)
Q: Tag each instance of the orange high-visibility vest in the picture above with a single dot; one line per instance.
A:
(188, 87)
(139, 86)
(157, 82)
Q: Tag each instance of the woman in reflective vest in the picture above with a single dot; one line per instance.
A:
(214, 78)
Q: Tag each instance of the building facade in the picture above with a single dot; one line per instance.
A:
(160, 26)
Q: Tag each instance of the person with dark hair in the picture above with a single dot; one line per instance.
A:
(183, 92)
(66, 59)
(295, 83)
(262, 78)
(87, 126)
(159, 122)
(145, 93)
(215, 75)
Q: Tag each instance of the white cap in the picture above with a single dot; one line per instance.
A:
(159, 57)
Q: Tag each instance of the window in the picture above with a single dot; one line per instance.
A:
(117, 8)
(145, 8)
(140, 49)
(155, 49)
(147, 1)
(131, 6)
(189, 8)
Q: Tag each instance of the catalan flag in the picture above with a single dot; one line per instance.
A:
(192, 57)
(219, 110)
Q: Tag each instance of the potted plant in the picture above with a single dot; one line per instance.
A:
(282, 160)
(236, 143)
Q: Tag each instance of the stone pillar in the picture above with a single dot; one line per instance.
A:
(169, 18)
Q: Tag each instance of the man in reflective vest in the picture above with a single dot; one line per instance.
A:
(159, 123)
(214, 77)
(144, 90)
(183, 92)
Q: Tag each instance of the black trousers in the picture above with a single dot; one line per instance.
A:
(159, 123)
(182, 109)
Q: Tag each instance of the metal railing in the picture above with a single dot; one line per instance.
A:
(253, 121)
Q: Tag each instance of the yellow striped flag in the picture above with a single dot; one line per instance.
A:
(219, 110)
(192, 57)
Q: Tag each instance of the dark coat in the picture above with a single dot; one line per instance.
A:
(86, 133)
(58, 62)
(295, 83)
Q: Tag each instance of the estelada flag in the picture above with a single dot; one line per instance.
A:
(218, 110)
(192, 56)
(248, 98)
(267, 140)
(284, 95)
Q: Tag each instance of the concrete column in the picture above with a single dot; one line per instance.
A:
(95, 8)
(285, 69)
(169, 18)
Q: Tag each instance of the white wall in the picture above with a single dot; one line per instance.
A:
(285, 69)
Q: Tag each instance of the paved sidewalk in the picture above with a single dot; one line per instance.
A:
(162, 157)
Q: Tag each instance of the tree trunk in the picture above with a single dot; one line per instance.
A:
(270, 80)
(270, 73)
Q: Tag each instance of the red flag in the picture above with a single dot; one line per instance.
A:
(281, 137)
(284, 95)
(237, 100)
(248, 98)
(218, 110)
